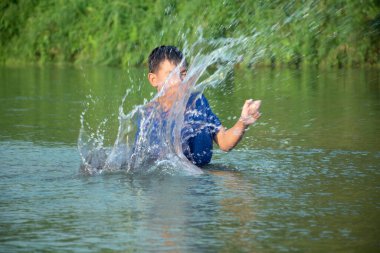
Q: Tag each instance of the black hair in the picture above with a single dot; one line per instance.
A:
(162, 53)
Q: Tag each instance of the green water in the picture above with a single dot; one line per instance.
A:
(304, 179)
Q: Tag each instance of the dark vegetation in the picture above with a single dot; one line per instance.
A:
(341, 33)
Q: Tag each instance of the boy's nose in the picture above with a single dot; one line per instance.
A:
(175, 79)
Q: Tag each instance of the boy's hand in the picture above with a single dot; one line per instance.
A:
(250, 112)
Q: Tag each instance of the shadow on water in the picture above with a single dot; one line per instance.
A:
(178, 206)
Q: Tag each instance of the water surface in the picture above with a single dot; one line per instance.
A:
(304, 179)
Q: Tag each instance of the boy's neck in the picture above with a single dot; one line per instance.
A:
(167, 99)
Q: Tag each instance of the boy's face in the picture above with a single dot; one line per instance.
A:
(166, 69)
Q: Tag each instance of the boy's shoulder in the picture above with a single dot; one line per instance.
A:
(197, 101)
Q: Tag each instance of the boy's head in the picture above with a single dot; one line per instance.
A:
(162, 61)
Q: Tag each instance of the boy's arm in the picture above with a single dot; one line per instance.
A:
(228, 139)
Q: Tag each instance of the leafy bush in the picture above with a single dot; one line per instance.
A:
(122, 33)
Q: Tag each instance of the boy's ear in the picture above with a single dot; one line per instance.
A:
(152, 79)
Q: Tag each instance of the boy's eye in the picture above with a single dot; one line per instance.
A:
(183, 73)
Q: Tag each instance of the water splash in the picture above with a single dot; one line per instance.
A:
(134, 150)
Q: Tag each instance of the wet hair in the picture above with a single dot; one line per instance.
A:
(162, 53)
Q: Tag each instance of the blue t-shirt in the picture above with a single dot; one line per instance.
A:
(197, 134)
(200, 127)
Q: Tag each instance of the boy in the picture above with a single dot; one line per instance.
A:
(201, 125)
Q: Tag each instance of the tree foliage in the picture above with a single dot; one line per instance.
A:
(122, 33)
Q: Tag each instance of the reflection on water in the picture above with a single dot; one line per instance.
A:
(304, 179)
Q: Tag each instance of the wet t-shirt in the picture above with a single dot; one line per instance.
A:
(200, 127)
(197, 134)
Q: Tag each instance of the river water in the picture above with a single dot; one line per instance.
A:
(305, 178)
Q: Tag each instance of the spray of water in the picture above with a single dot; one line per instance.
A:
(146, 141)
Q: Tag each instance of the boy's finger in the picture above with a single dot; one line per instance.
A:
(246, 104)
